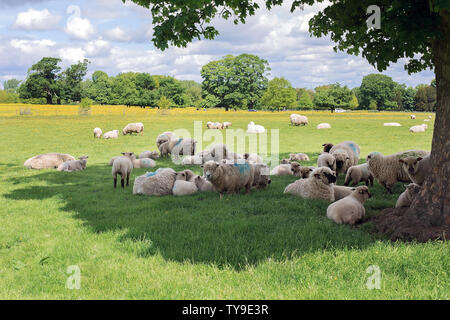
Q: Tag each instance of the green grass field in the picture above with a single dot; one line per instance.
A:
(264, 245)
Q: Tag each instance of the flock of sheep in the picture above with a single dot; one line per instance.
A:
(414, 129)
(225, 171)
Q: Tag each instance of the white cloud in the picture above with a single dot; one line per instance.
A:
(36, 20)
(117, 34)
(97, 48)
(32, 46)
(77, 27)
(72, 54)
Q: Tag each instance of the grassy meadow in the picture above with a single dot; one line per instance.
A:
(264, 245)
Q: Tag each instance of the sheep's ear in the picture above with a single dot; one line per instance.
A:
(317, 176)
(419, 158)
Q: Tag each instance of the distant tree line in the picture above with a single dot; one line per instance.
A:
(234, 82)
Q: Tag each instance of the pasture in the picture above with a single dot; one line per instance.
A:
(264, 245)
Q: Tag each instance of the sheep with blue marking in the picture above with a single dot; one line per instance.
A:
(346, 154)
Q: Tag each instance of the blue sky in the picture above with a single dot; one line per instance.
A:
(116, 37)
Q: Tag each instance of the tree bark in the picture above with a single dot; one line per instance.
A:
(431, 207)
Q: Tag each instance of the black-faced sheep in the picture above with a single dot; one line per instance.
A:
(327, 147)
(349, 209)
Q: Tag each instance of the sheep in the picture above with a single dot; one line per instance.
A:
(132, 157)
(137, 127)
(164, 137)
(346, 154)
(297, 120)
(158, 183)
(424, 125)
(413, 116)
(123, 165)
(47, 161)
(111, 134)
(144, 163)
(426, 120)
(430, 117)
(416, 129)
(326, 160)
(304, 172)
(341, 192)
(323, 126)
(417, 168)
(214, 125)
(184, 146)
(227, 125)
(254, 128)
(327, 147)
(357, 174)
(406, 198)
(229, 177)
(149, 154)
(188, 160)
(317, 186)
(261, 177)
(349, 209)
(234, 156)
(282, 170)
(184, 188)
(253, 158)
(392, 124)
(97, 133)
(204, 185)
(298, 157)
(74, 165)
(388, 169)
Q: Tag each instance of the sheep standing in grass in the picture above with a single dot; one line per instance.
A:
(111, 134)
(74, 165)
(407, 197)
(341, 192)
(326, 160)
(130, 128)
(359, 173)
(132, 157)
(319, 185)
(298, 157)
(158, 183)
(298, 120)
(388, 169)
(346, 154)
(349, 209)
(327, 147)
(417, 168)
(261, 177)
(149, 154)
(97, 133)
(123, 166)
(229, 177)
(47, 161)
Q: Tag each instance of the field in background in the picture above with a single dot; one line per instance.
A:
(262, 245)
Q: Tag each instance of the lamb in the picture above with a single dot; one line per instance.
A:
(229, 177)
(184, 188)
(417, 168)
(359, 173)
(317, 186)
(297, 120)
(327, 147)
(298, 157)
(392, 124)
(149, 154)
(186, 175)
(203, 185)
(111, 134)
(253, 158)
(341, 192)
(416, 129)
(47, 161)
(158, 183)
(144, 163)
(406, 198)
(261, 177)
(388, 169)
(304, 172)
(349, 209)
(326, 160)
(123, 165)
(323, 126)
(74, 165)
(137, 127)
(164, 137)
(97, 133)
(346, 154)
(413, 116)
(254, 128)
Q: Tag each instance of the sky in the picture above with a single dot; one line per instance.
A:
(116, 37)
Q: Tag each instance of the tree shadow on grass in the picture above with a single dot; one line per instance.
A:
(235, 231)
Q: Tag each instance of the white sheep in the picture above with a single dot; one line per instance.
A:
(137, 127)
(298, 157)
(111, 134)
(144, 163)
(47, 161)
(184, 188)
(323, 126)
(227, 125)
(349, 209)
(392, 124)
(149, 154)
(97, 133)
(326, 160)
(319, 185)
(417, 129)
(413, 116)
(417, 168)
(297, 120)
(124, 166)
(357, 174)
(426, 120)
(164, 137)
(282, 170)
(74, 165)
(158, 183)
(346, 154)
(405, 199)
(255, 128)
(203, 185)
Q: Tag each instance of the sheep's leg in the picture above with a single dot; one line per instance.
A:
(128, 179)
(115, 182)
(221, 196)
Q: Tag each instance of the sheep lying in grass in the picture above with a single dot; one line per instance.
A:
(349, 209)
(203, 185)
(97, 133)
(255, 128)
(323, 126)
(406, 198)
(149, 154)
(392, 124)
(111, 134)
(144, 163)
(214, 125)
(346, 154)
(123, 166)
(413, 116)
(298, 157)
(388, 169)
(282, 170)
(319, 185)
(297, 120)
(74, 165)
(341, 192)
(304, 172)
(326, 160)
(417, 168)
(158, 183)
(47, 161)
(416, 129)
(229, 177)
(137, 127)
(327, 147)
(183, 187)
(227, 125)
(357, 174)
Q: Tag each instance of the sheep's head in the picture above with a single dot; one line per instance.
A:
(326, 175)
(83, 158)
(285, 161)
(341, 158)
(189, 174)
(305, 171)
(154, 155)
(181, 176)
(410, 164)
(413, 188)
(209, 168)
(327, 147)
(363, 192)
(295, 168)
(332, 164)
(130, 155)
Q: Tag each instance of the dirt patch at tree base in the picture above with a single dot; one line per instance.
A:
(396, 223)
